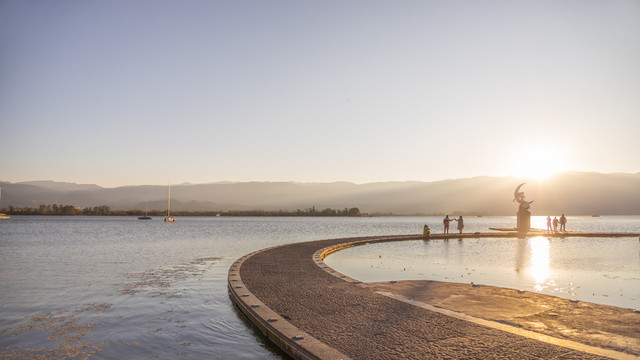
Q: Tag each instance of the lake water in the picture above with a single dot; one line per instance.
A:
(116, 287)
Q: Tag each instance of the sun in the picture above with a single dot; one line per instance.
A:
(539, 163)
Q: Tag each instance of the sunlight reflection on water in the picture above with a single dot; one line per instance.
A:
(539, 260)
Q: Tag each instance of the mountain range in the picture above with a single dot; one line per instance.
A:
(573, 193)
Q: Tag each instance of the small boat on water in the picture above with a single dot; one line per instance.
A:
(146, 211)
(169, 218)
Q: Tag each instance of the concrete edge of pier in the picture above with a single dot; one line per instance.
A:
(276, 328)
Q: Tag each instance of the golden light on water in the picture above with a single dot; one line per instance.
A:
(540, 258)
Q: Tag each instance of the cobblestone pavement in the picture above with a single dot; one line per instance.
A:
(363, 324)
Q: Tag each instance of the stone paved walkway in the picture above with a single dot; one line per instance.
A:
(363, 324)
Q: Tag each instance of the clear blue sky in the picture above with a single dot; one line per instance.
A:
(140, 92)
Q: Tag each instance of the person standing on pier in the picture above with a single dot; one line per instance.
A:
(446, 222)
(563, 222)
(549, 228)
(555, 224)
(460, 224)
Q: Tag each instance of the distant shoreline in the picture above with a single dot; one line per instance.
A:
(104, 210)
(69, 210)
(256, 213)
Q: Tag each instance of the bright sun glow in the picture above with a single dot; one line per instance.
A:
(539, 163)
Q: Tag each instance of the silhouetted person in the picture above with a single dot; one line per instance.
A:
(460, 224)
(555, 224)
(426, 231)
(563, 222)
(446, 222)
(549, 228)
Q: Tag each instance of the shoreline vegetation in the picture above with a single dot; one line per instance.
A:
(103, 210)
(69, 210)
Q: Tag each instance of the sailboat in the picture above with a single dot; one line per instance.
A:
(146, 211)
(169, 218)
(3, 216)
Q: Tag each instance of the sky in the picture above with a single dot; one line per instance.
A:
(150, 91)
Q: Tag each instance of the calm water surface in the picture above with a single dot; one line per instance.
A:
(115, 287)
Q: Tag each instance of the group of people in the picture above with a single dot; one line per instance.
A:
(446, 221)
(552, 225)
(562, 221)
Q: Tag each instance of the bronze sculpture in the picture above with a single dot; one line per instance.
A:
(524, 215)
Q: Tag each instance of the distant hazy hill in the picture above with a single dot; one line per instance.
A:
(574, 193)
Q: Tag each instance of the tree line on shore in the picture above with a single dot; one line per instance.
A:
(105, 210)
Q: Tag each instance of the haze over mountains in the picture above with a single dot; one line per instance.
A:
(573, 193)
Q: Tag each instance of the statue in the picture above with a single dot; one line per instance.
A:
(519, 197)
(524, 215)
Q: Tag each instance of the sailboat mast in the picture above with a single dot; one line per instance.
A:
(169, 218)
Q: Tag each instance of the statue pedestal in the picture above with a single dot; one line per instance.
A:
(524, 220)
